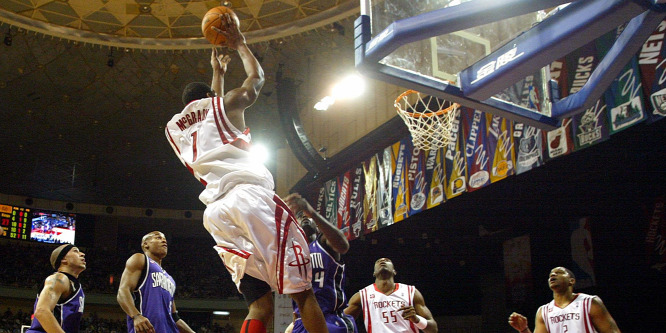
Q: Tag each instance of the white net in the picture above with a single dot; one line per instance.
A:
(429, 119)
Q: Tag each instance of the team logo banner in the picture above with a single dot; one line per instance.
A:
(559, 142)
(356, 203)
(454, 160)
(582, 253)
(371, 198)
(331, 202)
(476, 150)
(529, 151)
(436, 175)
(652, 64)
(344, 197)
(417, 181)
(655, 239)
(572, 73)
(384, 189)
(518, 270)
(320, 203)
(624, 96)
(500, 147)
(401, 152)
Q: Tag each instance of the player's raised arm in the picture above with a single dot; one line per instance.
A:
(128, 283)
(239, 99)
(332, 236)
(219, 64)
(56, 286)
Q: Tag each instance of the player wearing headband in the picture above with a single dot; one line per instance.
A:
(59, 305)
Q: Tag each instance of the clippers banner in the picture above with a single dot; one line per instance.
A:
(476, 149)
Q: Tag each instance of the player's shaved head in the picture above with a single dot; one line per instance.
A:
(148, 236)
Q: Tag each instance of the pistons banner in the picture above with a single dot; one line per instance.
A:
(416, 181)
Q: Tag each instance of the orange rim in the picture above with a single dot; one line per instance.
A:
(419, 115)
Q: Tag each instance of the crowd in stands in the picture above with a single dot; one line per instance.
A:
(197, 269)
(12, 321)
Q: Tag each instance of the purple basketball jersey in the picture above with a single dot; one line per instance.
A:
(154, 297)
(328, 279)
(68, 313)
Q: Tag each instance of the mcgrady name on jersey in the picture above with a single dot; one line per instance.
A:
(192, 118)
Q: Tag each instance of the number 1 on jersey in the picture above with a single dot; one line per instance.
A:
(194, 146)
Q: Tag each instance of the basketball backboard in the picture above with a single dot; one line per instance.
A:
(494, 55)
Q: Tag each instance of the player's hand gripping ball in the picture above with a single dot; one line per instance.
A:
(212, 19)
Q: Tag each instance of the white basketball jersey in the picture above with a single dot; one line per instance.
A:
(214, 151)
(574, 318)
(380, 311)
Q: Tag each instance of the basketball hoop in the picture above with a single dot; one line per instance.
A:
(428, 118)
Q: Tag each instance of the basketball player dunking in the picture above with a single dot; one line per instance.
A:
(391, 307)
(59, 306)
(567, 312)
(146, 290)
(257, 236)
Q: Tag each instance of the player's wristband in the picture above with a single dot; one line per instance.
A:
(136, 315)
(422, 322)
(175, 316)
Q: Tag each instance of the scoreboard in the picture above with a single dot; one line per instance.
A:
(16, 222)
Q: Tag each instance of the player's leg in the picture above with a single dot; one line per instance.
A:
(311, 315)
(259, 299)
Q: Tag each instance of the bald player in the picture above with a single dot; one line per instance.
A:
(59, 306)
(146, 290)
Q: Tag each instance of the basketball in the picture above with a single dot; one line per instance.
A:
(212, 19)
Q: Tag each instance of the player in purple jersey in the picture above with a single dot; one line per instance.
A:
(327, 245)
(568, 311)
(59, 305)
(256, 235)
(146, 290)
(388, 306)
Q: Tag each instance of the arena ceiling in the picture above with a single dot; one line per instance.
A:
(86, 87)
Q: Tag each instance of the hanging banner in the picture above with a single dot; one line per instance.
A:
(476, 149)
(500, 147)
(371, 199)
(652, 64)
(582, 253)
